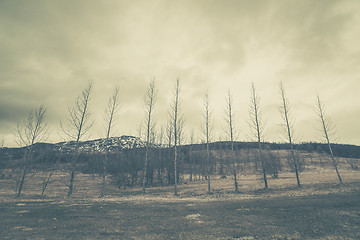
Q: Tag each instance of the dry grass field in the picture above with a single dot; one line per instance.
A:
(321, 209)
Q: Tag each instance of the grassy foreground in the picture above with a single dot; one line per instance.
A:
(321, 209)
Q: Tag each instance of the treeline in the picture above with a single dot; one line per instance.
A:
(339, 150)
(125, 168)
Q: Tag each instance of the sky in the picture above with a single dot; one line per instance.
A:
(50, 50)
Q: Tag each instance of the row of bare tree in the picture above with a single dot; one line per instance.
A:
(256, 125)
(79, 122)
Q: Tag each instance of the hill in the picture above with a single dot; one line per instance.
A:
(116, 144)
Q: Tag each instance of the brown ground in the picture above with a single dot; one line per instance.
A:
(321, 209)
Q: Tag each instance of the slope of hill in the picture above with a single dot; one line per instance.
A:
(100, 145)
(130, 142)
(97, 145)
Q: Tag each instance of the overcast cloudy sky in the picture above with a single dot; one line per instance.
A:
(50, 50)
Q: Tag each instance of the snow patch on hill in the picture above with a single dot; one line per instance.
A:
(102, 144)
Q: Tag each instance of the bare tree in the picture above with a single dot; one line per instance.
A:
(175, 119)
(110, 118)
(328, 131)
(257, 127)
(76, 126)
(289, 129)
(150, 99)
(31, 130)
(230, 121)
(207, 129)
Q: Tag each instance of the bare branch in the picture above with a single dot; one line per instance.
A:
(33, 128)
(230, 117)
(208, 119)
(285, 111)
(78, 122)
(111, 112)
(256, 124)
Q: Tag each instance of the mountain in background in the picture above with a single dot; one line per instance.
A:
(97, 145)
(115, 144)
(102, 144)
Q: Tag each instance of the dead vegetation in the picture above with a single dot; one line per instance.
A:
(318, 177)
(321, 209)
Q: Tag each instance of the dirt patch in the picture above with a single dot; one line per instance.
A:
(194, 218)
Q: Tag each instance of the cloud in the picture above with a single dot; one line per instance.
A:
(50, 50)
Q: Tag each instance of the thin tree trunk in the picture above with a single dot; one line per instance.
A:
(208, 168)
(295, 165)
(22, 180)
(175, 170)
(334, 163)
(71, 183)
(262, 164)
(105, 160)
(234, 167)
(327, 126)
(46, 182)
(190, 156)
(285, 112)
(145, 167)
(190, 168)
(160, 167)
(230, 116)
